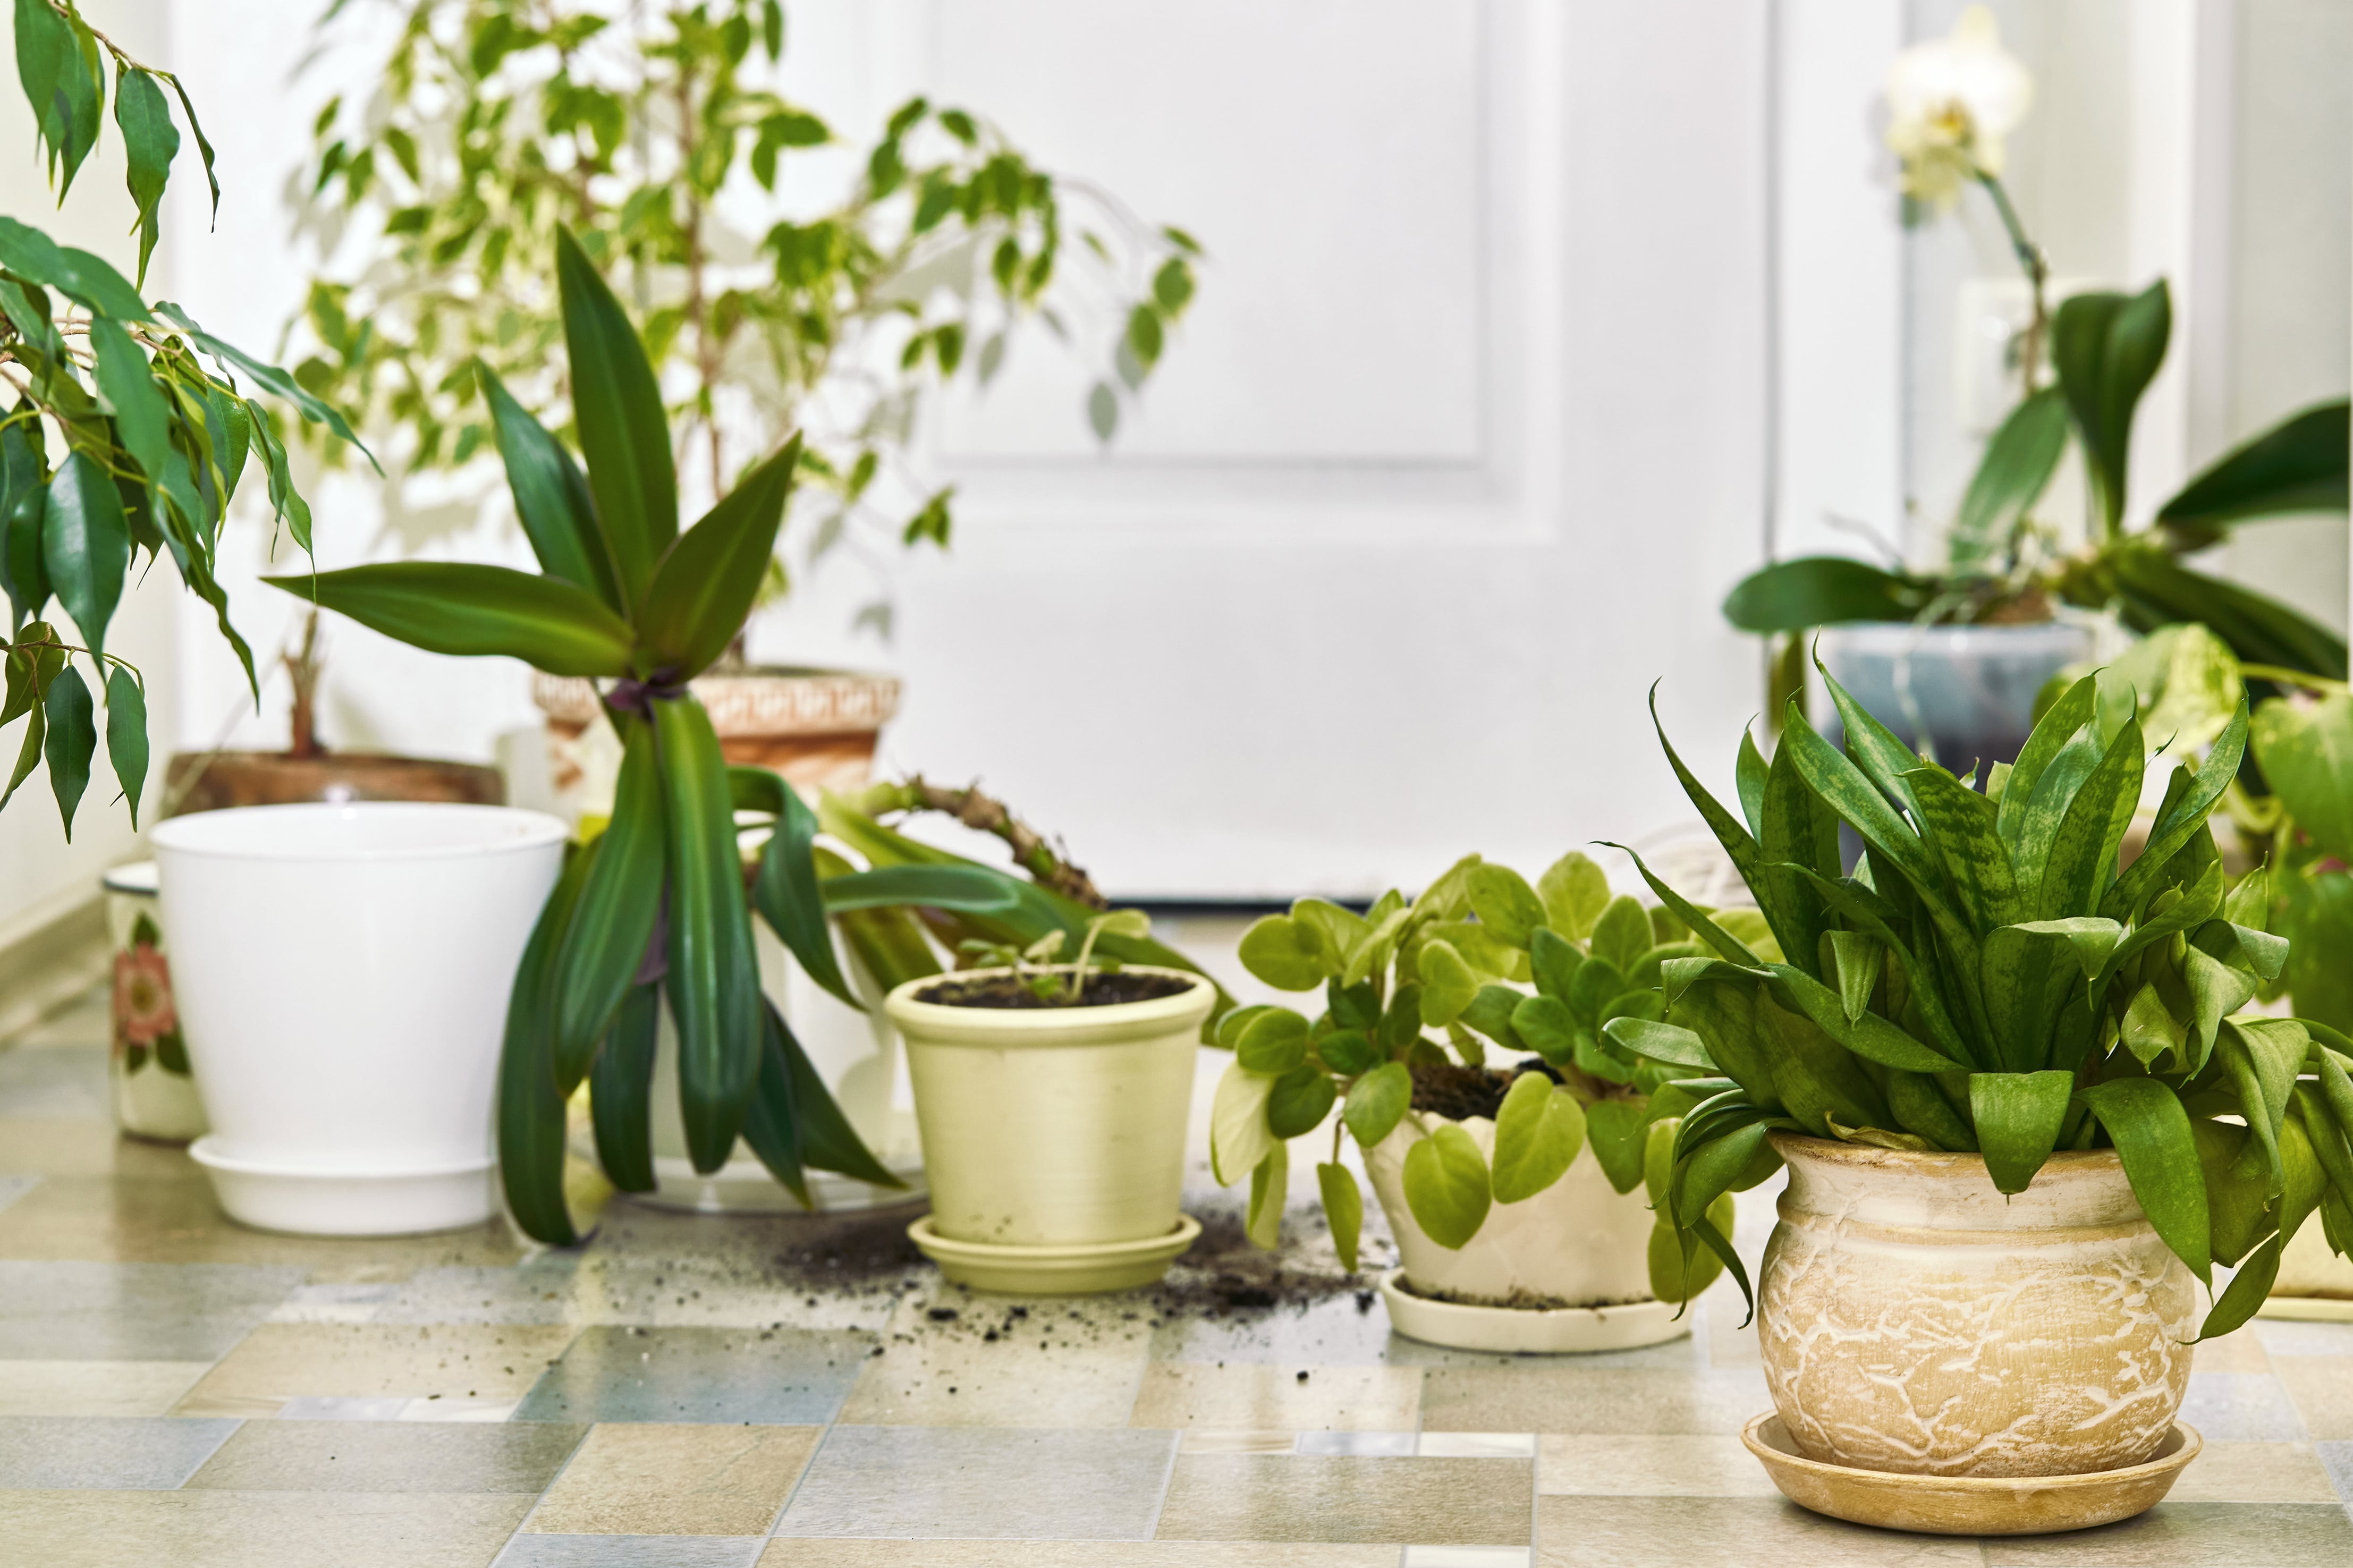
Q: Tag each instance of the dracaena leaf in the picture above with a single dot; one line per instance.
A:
(607, 941)
(461, 608)
(706, 581)
(550, 497)
(623, 430)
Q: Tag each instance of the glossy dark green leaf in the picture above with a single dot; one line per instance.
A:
(786, 889)
(70, 743)
(2247, 1292)
(2298, 465)
(23, 504)
(704, 585)
(1821, 591)
(2018, 1116)
(771, 1121)
(85, 547)
(605, 943)
(1299, 1101)
(550, 497)
(2106, 348)
(462, 608)
(620, 1092)
(126, 735)
(1343, 1209)
(61, 84)
(142, 416)
(623, 430)
(530, 1111)
(2017, 466)
(150, 142)
(2156, 590)
(828, 1142)
(714, 981)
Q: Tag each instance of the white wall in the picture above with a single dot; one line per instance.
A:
(1459, 451)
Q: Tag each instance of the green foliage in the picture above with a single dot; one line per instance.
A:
(2034, 992)
(1558, 968)
(501, 122)
(127, 432)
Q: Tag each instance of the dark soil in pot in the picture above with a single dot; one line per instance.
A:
(1459, 1093)
(1013, 994)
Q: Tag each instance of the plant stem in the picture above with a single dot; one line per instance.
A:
(976, 810)
(2037, 268)
(1086, 950)
(2287, 676)
(303, 669)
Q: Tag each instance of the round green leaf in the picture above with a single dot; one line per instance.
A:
(1272, 1043)
(1284, 953)
(1348, 1052)
(1344, 1208)
(1230, 1027)
(1448, 984)
(1378, 1102)
(1504, 902)
(1538, 1131)
(1239, 1138)
(1575, 891)
(1446, 1186)
(1546, 1028)
(1555, 961)
(1299, 1101)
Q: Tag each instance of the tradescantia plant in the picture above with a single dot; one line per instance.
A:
(1483, 958)
(117, 437)
(1992, 980)
(654, 909)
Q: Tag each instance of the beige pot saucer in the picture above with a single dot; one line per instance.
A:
(1969, 1505)
(1073, 1270)
(1524, 1330)
(2307, 1308)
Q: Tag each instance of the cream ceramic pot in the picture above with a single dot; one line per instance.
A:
(342, 973)
(1578, 1242)
(1913, 1319)
(1053, 1127)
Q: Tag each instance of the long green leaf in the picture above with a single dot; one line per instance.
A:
(314, 409)
(620, 1092)
(70, 743)
(1821, 591)
(85, 546)
(2018, 1116)
(2107, 349)
(2011, 476)
(2298, 465)
(1958, 824)
(705, 585)
(785, 890)
(714, 981)
(2247, 1292)
(531, 1115)
(550, 497)
(1798, 829)
(2146, 1122)
(624, 432)
(605, 946)
(772, 1125)
(2080, 859)
(2184, 817)
(126, 735)
(2156, 590)
(2052, 734)
(828, 1142)
(460, 608)
(1870, 1036)
(1736, 842)
(142, 416)
(149, 145)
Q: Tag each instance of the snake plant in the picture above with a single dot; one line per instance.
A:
(1993, 978)
(655, 908)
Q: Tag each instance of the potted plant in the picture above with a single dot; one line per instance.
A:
(1053, 1099)
(2021, 1113)
(1951, 658)
(652, 134)
(1510, 1186)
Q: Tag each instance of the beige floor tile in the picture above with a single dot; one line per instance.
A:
(965, 1381)
(1593, 1464)
(278, 1361)
(1274, 1497)
(173, 1220)
(1723, 1533)
(1074, 1554)
(2255, 1472)
(2322, 1387)
(1200, 1441)
(2240, 1352)
(95, 1387)
(388, 1456)
(2193, 1535)
(650, 1479)
(253, 1530)
(1236, 1398)
(88, 1148)
(1586, 1399)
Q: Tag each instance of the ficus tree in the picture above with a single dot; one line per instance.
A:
(1994, 979)
(654, 134)
(128, 428)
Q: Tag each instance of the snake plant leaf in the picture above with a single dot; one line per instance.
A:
(2155, 589)
(2216, 991)
(2052, 733)
(2031, 972)
(2181, 818)
(1750, 773)
(2018, 1116)
(1505, 903)
(1815, 1077)
(1539, 1128)
(965, 889)
(1239, 1138)
(606, 944)
(703, 586)
(2244, 1295)
(1545, 1026)
(2331, 1149)
(85, 547)
(2337, 1087)
(1796, 829)
(1270, 1180)
(2149, 1029)
(1273, 1043)
(1858, 960)
(1343, 1210)
(1722, 1013)
(1865, 805)
(1957, 824)
(1662, 1042)
(623, 430)
(1869, 1036)
(1732, 950)
(2298, 465)
(2192, 909)
(550, 497)
(2308, 1179)
(1679, 1266)
(1821, 591)
(771, 1121)
(2106, 348)
(1875, 749)
(1300, 1100)
(2017, 466)
(828, 1140)
(2262, 1058)
(1285, 955)
(1377, 1102)
(1737, 843)
(1924, 983)
(1709, 1171)
(1446, 1186)
(2078, 859)
(1575, 891)
(1921, 1109)
(713, 975)
(460, 608)
(530, 1116)
(1448, 983)
(620, 1092)
(70, 742)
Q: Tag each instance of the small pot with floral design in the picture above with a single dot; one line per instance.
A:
(153, 1093)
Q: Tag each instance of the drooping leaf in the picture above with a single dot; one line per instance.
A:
(597, 965)
(71, 741)
(149, 145)
(2018, 1116)
(531, 1117)
(1239, 1138)
(1343, 1209)
(620, 1092)
(126, 735)
(1270, 1183)
(2151, 1131)
(85, 547)
(828, 1142)
(2011, 476)
(2106, 348)
(463, 608)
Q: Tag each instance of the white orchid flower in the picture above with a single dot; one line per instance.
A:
(1951, 103)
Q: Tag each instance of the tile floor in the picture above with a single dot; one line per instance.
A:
(702, 1393)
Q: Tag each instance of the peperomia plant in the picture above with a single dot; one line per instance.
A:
(1485, 960)
(655, 908)
(119, 440)
(1992, 980)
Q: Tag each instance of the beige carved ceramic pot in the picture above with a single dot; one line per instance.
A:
(1913, 1319)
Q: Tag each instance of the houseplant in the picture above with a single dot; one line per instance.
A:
(1951, 657)
(1992, 1005)
(1511, 1189)
(655, 134)
(1053, 1099)
(119, 440)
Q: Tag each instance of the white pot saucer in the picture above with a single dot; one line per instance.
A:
(1055, 1270)
(308, 1201)
(1548, 1330)
(1969, 1505)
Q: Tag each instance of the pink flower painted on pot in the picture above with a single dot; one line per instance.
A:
(144, 1010)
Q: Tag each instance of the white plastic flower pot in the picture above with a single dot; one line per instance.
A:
(1048, 1130)
(342, 973)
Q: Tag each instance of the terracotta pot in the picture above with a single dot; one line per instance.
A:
(215, 781)
(816, 727)
(1912, 1319)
